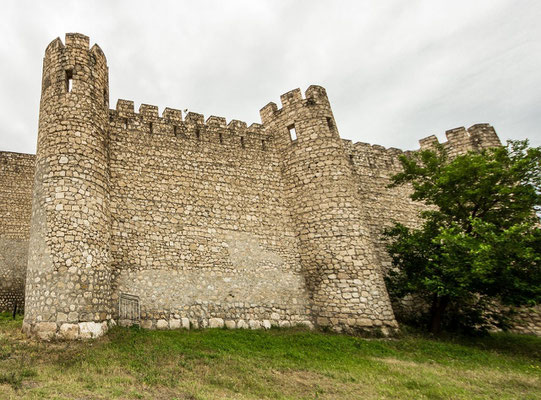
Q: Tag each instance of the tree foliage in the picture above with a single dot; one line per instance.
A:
(479, 242)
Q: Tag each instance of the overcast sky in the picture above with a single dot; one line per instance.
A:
(395, 71)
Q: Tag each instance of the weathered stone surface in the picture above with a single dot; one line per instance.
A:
(216, 323)
(254, 324)
(16, 182)
(146, 324)
(162, 324)
(45, 330)
(241, 324)
(69, 331)
(91, 329)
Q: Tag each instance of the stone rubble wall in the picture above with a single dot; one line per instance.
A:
(343, 278)
(200, 227)
(16, 179)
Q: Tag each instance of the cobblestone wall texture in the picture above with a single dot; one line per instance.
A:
(16, 180)
(174, 220)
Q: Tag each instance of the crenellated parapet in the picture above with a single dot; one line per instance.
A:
(460, 140)
(384, 161)
(190, 126)
(314, 95)
(374, 156)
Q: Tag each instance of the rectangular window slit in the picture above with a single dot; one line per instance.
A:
(125, 123)
(69, 80)
(242, 142)
(198, 134)
(175, 130)
(151, 127)
(330, 123)
(263, 145)
(221, 136)
(292, 132)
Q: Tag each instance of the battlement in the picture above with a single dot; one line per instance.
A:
(314, 95)
(478, 136)
(459, 140)
(75, 41)
(190, 126)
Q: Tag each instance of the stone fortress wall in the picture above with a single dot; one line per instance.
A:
(201, 231)
(175, 220)
(16, 181)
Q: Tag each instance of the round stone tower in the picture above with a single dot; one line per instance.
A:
(345, 282)
(68, 277)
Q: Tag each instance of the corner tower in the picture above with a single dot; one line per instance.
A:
(68, 284)
(344, 280)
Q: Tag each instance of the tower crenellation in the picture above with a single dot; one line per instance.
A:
(172, 220)
(461, 140)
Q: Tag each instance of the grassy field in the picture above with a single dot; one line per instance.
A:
(275, 364)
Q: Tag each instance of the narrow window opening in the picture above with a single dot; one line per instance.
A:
(69, 80)
(242, 142)
(263, 145)
(198, 134)
(351, 158)
(292, 132)
(330, 123)
(175, 130)
(221, 136)
(125, 123)
(151, 127)
(105, 100)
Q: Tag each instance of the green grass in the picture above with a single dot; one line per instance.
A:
(275, 364)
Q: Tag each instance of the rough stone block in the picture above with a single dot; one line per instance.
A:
(45, 330)
(162, 324)
(69, 332)
(90, 330)
(216, 323)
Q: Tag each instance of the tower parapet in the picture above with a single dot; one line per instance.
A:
(344, 281)
(68, 285)
(461, 140)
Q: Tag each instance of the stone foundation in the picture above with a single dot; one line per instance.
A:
(66, 331)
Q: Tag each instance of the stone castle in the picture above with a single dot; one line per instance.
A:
(176, 221)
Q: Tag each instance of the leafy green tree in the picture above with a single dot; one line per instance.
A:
(479, 241)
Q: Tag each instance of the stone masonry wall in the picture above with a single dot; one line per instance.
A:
(16, 179)
(178, 222)
(343, 277)
(201, 232)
